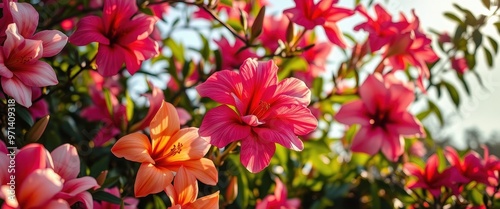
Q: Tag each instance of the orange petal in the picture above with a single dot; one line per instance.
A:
(193, 147)
(134, 147)
(151, 179)
(209, 201)
(165, 123)
(186, 186)
(172, 194)
(203, 169)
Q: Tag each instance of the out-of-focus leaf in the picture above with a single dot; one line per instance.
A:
(129, 106)
(176, 48)
(469, 17)
(109, 104)
(471, 60)
(24, 114)
(317, 87)
(100, 165)
(453, 17)
(107, 197)
(227, 2)
(477, 37)
(497, 26)
(158, 202)
(455, 97)
(486, 3)
(458, 33)
(476, 196)
(292, 64)
(435, 109)
(441, 159)
(493, 44)
(488, 56)
(464, 83)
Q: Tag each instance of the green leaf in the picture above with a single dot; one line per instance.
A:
(458, 33)
(177, 49)
(486, 3)
(158, 202)
(227, 2)
(477, 37)
(109, 104)
(292, 64)
(24, 114)
(435, 109)
(464, 83)
(493, 44)
(476, 196)
(471, 60)
(453, 93)
(129, 107)
(488, 56)
(497, 26)
(453, 17)
(107, 197)
(441, 159)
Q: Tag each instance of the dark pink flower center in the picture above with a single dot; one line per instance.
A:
(261, 109)
(379, 119)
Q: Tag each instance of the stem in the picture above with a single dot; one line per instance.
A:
(224, 24)
(224, 154)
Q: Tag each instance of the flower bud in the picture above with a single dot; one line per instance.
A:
(232, 190)
(37, 129)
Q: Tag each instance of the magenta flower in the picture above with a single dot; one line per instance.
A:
(279, 199)
(383, 117)
(257, 110)
(430, 178)
(459, 64)
(273, 30)
(123, 37)
(471, 167)
(237, 57)
(316, 58)
(310, 15)
(130, 202)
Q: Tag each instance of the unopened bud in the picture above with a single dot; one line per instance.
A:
(232, 190)
(258, 23)
(102, 177)
(37, 129)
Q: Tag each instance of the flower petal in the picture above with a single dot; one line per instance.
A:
(25, 17)
(151, 180)
(66, 161)
(138, 28)
(373, 93)
(89, 29)
(221, 86)
(334, 34)
(155, 99)
(193, 146)
(223, 125)
(30, 158)
(259, 79)
(288, 110)
(256, 154)
(77, 186)
(392, 146)
(186, 186)
(53, 41)
(109, 59)
(164, 123)
(352, 113)
(16, 89)
(204, 169)
(279, 132)
(134, 147)
(295, 88)
(209, 201)
(368, 140)
(404, 123)
(37, 74)
(32, 195)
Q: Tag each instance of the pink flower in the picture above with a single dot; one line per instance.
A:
(471, 167)
(130, 202)
(273, 30)
(310, 15)
(383, 116)
(38, 109)
(123, 37)
(237, 57)
(66, 163)
(316, 58)
(279, 199)
(430, 178)
(417, 148)
(257, 110)
(459, 64)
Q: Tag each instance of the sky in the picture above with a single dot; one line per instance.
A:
(481, 110)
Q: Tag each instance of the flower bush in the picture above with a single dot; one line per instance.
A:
(221, 104)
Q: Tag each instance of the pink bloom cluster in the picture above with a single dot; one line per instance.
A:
(383, 116)
(43, 179)
(403, 42)
(279, 199)
(21, 50)
(122, 34)
(257, 110)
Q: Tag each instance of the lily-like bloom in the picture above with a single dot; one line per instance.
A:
(273, 30)
(279, 199)
(20, 67)
(66, 164)
(383, 116)
(310, 15)
(237, 57)
(130, 202)
(123, 37)
(184, 192)
(471, 167)
(258, 110)
(430, 178)
(316, 58)
(459, 64)
(169, 149)
(48, 180)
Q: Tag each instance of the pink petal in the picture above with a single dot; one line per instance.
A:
(37, 74)
(287, 110)
(259, 79)
(16, 89)
(138, 28)
(85, 198)
(32, 195)
(30, 158)
(109, 59)
(151, 180)
(368, 140)
(373, 93)
(352, 113)
(89, 29)
(392, 146)
(4, 163)
(223, 125)
(77, 186)
(404, 123)
(255, 153)
(144, 49)
(279, 132)
(66, 161)
(221, 86)
(134, 147)
(25, 17)
(155, 100)
(58, 204)
(280, 191)
(118, 12)
(295, 88)
(53, 41)
(13, 41)
(334, 34)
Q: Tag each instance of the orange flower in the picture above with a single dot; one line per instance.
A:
(185, 190)
(169, 149)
